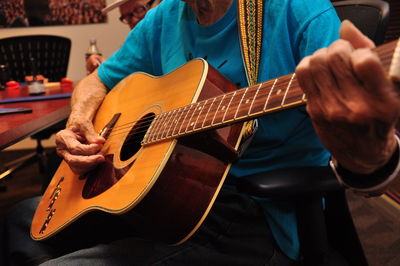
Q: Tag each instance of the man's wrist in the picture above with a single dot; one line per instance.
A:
(370, 184)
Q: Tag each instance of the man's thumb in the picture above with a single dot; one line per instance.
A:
(350, 33)
(92, 137)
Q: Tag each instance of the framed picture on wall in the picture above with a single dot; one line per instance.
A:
(26, 13)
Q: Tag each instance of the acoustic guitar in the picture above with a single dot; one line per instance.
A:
(170, 142)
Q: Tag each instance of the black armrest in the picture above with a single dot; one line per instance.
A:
(289, 182)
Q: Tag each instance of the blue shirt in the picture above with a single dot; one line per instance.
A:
(170, 36)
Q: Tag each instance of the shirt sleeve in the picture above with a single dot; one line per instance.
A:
(133, 56)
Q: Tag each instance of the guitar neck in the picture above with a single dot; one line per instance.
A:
(247, 103)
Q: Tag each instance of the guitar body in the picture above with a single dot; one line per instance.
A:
(170, 185)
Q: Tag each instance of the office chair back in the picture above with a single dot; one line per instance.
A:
(393, 30)
(50, 53)
(370, 16)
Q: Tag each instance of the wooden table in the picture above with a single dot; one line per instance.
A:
(15, 127)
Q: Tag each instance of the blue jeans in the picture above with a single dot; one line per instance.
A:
(234, 233)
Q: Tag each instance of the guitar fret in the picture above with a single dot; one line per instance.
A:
(227, 108)
(287, 89)
(157, 126)
(180, 113)
(184, 119)
(216, 111)
(295, 96)
(149, 133)
(165, 125)
(262, 95)
(190, 119)
(240, 103)
(255, 96)
(162, 125)
(237, 98)
(205, 117)
(246, 103)
(269, 94)
(198, 116)
(276, 97)
(170, 123)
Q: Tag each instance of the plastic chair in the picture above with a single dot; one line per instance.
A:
(51, 57)
(322, 229)
(51, 54)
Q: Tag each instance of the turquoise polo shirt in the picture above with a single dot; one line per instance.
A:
(170, 36)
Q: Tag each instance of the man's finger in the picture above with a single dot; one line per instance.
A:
(350, 33)
(81, 164)
(91, 135)
(69, 140)
(304, 78)
(368, 68)
(340, 66)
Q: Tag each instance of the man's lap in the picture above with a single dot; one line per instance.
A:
(234, 233)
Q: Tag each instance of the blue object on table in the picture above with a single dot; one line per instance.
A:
(36, 98)
(6, 111)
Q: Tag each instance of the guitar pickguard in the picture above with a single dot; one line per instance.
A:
(106, 174)
(103, 177)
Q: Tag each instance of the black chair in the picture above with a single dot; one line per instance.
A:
(323, 229)
(51, 54)
(376, 12)
(51, 58)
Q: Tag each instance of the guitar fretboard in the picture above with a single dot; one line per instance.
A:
(240, 105)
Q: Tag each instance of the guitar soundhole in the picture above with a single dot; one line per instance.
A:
(133, 141)
(105, 175)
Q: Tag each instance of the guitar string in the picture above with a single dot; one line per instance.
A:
(386, 56)
(123, 126)
(145, 123)
(162, 132)
(234, 103)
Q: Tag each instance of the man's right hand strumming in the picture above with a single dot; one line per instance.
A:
(79, 145)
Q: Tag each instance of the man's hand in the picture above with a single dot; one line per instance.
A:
(80, 146)
(93, 62)
(351, 101)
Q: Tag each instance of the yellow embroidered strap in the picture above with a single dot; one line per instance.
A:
(250, 22)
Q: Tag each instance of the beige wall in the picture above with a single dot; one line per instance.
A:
(109, 37)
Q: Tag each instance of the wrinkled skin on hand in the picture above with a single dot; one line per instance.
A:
(353, 105)
(79, 145)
